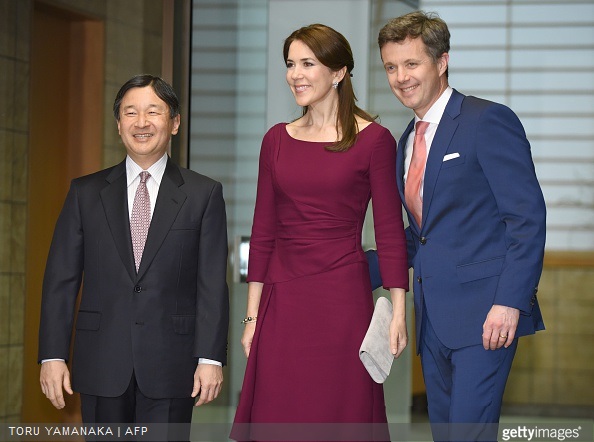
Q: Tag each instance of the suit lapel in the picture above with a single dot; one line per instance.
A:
(169, 202)
(400, 157)
(443, 137)
(114, 198)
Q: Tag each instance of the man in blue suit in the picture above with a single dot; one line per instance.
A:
(477, 230)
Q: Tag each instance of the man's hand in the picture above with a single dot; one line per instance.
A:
(55, 375)
(500, 326)
(208, 380)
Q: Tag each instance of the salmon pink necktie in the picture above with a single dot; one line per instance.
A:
(412, 188)
(141, 218)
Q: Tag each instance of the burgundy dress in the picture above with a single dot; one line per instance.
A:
(316, 303)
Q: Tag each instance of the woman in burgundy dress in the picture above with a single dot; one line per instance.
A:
(309, 293)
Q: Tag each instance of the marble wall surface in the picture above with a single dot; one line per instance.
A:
(133, 45)
(14, 64)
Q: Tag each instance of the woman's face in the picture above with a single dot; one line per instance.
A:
(310, 81)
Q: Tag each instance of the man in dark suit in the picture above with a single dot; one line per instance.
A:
(151, 329)
(477, 229)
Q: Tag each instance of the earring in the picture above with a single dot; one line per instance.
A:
(335, 85)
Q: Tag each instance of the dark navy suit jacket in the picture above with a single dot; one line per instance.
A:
(157, 322)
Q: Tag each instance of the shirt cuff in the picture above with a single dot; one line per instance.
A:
(200, 361)
(209, 361)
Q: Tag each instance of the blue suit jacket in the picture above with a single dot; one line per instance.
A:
(483, 233)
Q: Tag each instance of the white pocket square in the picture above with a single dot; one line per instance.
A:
(451, 156)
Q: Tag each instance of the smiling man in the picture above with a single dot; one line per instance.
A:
(477, 229)
(148, 241)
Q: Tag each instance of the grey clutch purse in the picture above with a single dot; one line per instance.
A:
(375, 350)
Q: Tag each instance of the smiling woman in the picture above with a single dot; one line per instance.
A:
(311, 82)
(308, 279)
(320, 79)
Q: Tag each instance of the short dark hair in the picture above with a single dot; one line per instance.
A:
(163, 90)
(427, 25)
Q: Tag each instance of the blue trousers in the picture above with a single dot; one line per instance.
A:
(464, 387)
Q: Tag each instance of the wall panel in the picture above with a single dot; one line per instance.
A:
(538, 58)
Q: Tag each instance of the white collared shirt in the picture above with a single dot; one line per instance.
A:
(433, 116)
(152, 184)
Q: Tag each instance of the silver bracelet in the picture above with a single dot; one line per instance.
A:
(249, 319)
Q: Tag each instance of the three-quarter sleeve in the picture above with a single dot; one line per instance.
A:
(263, 236)
(387, 213)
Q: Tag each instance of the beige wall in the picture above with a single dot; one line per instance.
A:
(133, 45)
(553, 372)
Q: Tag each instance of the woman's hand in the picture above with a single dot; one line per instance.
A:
(398, 331)
(398, 336)
(248, 337)
(254, 295)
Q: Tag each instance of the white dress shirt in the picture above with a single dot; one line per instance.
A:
(152, 184)
(433, 116)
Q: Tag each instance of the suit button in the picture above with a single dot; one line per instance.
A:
(423, 240)
(419, 280)
(138, 289)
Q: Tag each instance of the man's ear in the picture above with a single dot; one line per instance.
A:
(176, 123)
(442, 62)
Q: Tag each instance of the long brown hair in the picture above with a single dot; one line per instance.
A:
(333, 51)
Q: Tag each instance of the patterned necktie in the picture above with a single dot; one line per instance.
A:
(412, 188)
(141, 218)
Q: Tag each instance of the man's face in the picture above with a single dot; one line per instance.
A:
(145, 125)
(413, 77)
